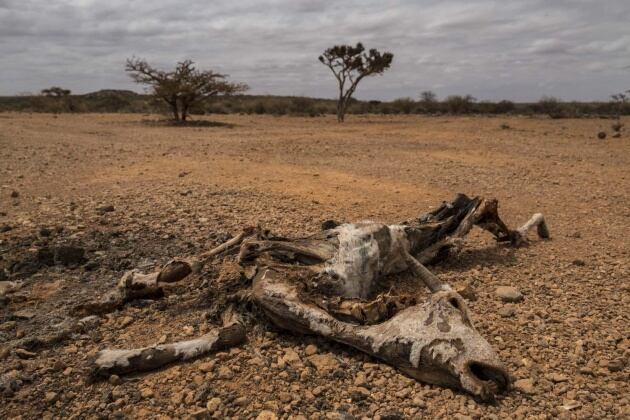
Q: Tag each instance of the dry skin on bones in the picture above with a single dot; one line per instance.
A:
(444, 348)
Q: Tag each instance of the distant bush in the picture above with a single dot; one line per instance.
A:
(551, 106)
(403, 106)
(456, 104)
(128, 102)
(303, 106)
(428, 102)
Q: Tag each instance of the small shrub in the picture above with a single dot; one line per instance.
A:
(403, 106)
(457, 104)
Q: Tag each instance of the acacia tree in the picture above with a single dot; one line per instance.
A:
(350, 65)
(56, 92)
(61, 95)
(182, 87)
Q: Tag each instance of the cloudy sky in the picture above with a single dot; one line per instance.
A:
(514, 49)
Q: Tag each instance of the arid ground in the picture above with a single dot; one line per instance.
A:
(133, 193)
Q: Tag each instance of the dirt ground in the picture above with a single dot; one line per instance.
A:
(181, 190)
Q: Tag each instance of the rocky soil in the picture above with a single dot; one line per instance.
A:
(85, 197)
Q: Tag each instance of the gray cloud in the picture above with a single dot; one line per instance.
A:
(521, 49)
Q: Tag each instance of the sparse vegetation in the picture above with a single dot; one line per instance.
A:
(350, 65)
(428, 101)
(456, 104)
(404, 106)
(551, 106)
(130, 102)
(61, 98)
(621, 101)
(183, 87)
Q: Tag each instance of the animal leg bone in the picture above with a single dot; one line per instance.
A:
(135, 285)
(537, 221)
(132, 285)
(428, 278)
(111, 361)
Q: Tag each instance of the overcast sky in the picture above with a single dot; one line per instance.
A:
(514, 49)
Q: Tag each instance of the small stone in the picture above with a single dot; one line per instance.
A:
(89, 322)
(310, 350)
(15, 194)
(467, 292)
(126, 321)
(91, 265)
(324, 362)
(291, 357)
(509, 294)
(586, 371)
(285, 397)
(241, 401)
(359, 394)
(4, 352)
(616, 365)
(329, 224)
(507, 311)
(45, 232)
(578, 262)
(526, 386)
(557, 377)
(24, 354)
(225, 373)
(213, 404)
(105, 209)
(391, 414)
(360, 379)
(207, 366)
(266, 415)
(24, 314)
(570, 405)
(51, 397)
(114, 380)
(601, 135)
(177, 398)
(147, 393)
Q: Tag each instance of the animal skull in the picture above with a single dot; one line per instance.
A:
(435, 342)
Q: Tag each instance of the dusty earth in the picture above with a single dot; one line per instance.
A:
(131, 193)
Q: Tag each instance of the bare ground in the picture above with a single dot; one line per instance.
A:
(180, 190)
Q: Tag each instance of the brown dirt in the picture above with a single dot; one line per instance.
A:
(180, 190)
